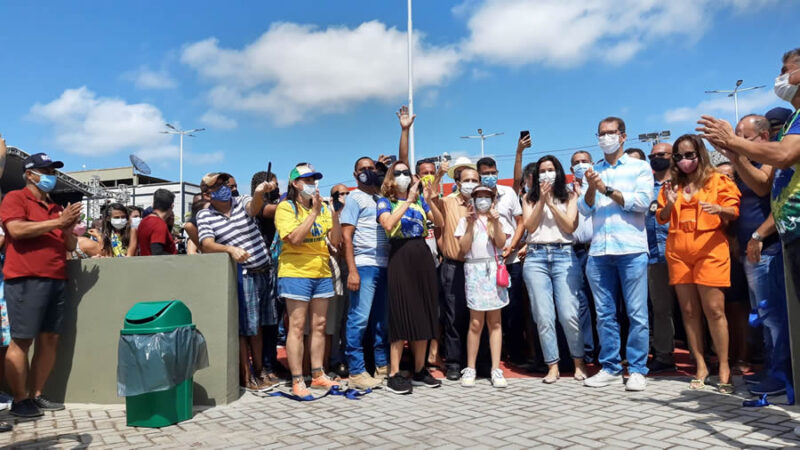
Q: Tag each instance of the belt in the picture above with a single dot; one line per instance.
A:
(453, 261)
(262, 269)
(553, 245)
(582, 246)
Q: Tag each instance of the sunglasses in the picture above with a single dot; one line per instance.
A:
(659, 155)
(407, 173)
(687, 155)
(339, 194)
(603, 133)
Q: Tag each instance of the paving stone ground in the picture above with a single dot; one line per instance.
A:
(526, 414)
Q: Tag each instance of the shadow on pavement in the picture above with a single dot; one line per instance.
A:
(81, 441)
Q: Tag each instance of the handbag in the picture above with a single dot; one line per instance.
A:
(503, 278)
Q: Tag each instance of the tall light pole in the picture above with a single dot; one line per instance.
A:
(412, 160)
(735, 94)
(655, 137)
(482, 137)
(182, 133)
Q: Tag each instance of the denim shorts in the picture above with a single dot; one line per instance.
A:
(304, 289)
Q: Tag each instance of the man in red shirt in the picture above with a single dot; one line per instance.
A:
(154, 234)
(39, 233)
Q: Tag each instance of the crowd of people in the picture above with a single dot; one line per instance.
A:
(561, 269)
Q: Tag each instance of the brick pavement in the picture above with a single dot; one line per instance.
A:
(527, 414)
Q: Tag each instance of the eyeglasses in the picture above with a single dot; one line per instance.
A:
(407, 173)
(687, 155)
(603, 133)
(660, 155)
(339, 194)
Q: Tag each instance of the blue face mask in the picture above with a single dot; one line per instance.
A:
(46, 182)
(580, 169)
(489, 181)
(222, 194)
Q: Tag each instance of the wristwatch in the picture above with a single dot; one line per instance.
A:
(609, 191)
(756, 237)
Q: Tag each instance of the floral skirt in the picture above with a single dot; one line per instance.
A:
(483, 293)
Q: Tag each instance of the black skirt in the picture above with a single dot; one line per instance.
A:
(413, 291)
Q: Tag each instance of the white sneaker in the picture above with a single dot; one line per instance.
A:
(498, 380)
(468, 377)
(602, 379)
(636, 382)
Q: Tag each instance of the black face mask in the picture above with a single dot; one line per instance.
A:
(370, 178)
(234, 192)
(273, 196)
(659, 164)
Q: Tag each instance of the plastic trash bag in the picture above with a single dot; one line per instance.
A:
(160, 361)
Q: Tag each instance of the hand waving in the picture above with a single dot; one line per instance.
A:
(406, 120)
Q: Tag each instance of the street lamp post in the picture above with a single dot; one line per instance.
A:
(735, 94)
(411, 156)
(182, 133)
(655, 137)
(482, 137)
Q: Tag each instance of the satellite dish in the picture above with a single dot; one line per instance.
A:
(140, 165)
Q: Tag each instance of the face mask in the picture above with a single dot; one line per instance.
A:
(79, 229)
(119, 224)
(46, 182)
(489, 181)
(427, 179)
(688, 166)
(482, 204)
(135, 221)
(580, 170)
(783, 89)
(222, 194)
(234, 192)
(467, 187)
(609, 143)
(402, 182)
(369, 178)
(659, 164)
(308, 190)
(547, 177)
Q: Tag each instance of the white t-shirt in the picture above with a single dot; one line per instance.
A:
(482, 246)
(509, 207)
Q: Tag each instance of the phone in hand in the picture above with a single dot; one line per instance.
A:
(269, 171)
(392, 160)
(524, 134)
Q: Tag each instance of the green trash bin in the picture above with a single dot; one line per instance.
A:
(168, 407)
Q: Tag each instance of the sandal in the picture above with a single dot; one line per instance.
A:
(726, 388)
(550, 380)
(698, 384)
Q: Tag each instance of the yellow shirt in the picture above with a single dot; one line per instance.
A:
(309, 259)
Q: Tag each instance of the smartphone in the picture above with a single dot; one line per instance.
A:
(524, 134)
(392, 159)
(269, 171)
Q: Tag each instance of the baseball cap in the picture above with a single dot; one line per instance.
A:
(304, 171)
(778, 116)
(480, 189)
(210, 179)
(40, 161)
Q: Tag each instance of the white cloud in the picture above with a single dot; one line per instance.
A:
(88, 125)
(292, 71)
(721, 105)
(145, 78)
(568, 33)
(217, 120)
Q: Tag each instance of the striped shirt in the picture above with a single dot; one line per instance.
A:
(237, 230)
(620, 230)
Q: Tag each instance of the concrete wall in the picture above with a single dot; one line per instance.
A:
(101, 291)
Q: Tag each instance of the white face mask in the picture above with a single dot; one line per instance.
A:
(783, 89)
(135, 221)
(547, 177)
(609, 143)
(119, 223)
(482, 204)
(467, 187)
(402, 182)
(308, 190)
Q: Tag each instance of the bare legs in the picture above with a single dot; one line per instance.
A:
(297, 311)
(396, 353)
(696, 300)
(477, 319)
(17, 370)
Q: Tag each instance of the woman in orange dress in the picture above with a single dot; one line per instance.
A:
(698, 203)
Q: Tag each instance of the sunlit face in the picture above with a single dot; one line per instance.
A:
(486, 170)
(469, 175)
(546, 166)
(118, 214)
(580, 158)
(427, 168)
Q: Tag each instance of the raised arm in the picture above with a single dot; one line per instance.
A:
(3, 153)
(783, 154)
(522, 144)
(406, 122)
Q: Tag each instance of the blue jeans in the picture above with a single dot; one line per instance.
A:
(776, 318)
(758, 286)
(584, 297)
(553, 278)
(367, 307)
(606, 273)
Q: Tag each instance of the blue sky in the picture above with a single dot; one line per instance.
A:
(92, 82)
